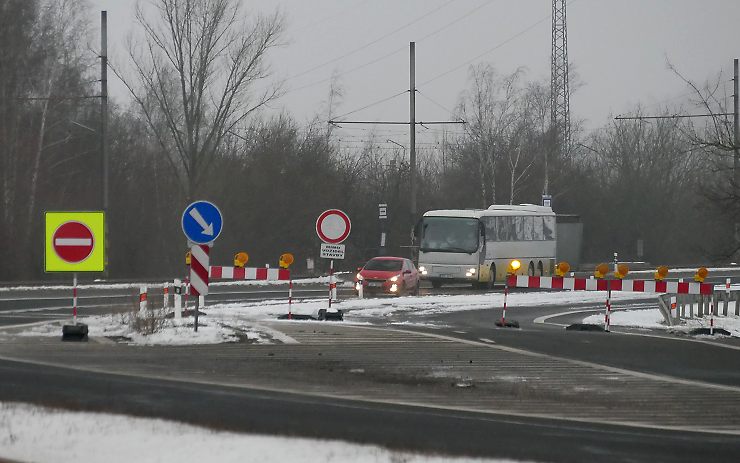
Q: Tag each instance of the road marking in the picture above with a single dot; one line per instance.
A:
(490, 341)
(543, 321)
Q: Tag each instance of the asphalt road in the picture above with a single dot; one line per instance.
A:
(653, 352)
(399, 427)
(229, 387)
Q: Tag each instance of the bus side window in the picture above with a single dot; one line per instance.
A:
(548, 228)
(527, 228)
(490, 226)
(539, 232)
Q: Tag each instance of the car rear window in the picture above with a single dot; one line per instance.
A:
(383, 264)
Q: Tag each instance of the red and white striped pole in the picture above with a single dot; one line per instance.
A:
(142, 298)
(166, 293)
(199, 265)
(331, 280)
(607, 316)
(711, 319)
(506, 294)
(290, 299)
(74, 298)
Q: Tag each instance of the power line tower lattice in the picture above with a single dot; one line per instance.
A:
(559, 89)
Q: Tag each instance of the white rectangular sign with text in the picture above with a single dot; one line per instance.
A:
(332, 251)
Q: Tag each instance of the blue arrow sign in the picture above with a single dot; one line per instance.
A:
(202, 222)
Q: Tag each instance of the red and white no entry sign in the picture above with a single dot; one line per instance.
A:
(333, 226)
(73, 242)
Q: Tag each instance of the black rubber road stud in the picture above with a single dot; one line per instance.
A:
(706, 332)
(508, 324)
(77, 332)
(584, 327)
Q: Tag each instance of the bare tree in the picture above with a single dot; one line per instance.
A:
(712, 136)
(501, 117)
(197, 74)
(61, 29)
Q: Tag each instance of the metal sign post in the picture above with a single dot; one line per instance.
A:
(332, 227)
(74, 242)
(201, 223)
(382, 216)
(74, 298)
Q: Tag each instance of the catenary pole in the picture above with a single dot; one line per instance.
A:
(736, 138)
(104, 124)
(412, 127)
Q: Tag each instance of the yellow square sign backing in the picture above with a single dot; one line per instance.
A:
(75, 242)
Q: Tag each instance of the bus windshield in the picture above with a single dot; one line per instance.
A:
(449, 234)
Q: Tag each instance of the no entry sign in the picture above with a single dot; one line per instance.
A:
(333, 226)
(74, 242)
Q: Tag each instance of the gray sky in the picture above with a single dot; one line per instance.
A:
(618, 48)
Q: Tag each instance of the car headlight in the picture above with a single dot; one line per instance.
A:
(394, 278)
(422, 269)
(358, 286)
(359, 277)
(394, 288)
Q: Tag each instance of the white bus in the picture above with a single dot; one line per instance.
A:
(477, 245)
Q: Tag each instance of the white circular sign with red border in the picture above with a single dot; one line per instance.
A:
(333, 226)
(73, 242)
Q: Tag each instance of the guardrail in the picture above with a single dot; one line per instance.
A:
(676, 308)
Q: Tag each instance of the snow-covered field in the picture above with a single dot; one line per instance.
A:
(30, 433)
(235, 321)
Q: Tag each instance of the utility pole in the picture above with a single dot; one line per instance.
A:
(412, 123)
(104, 125)
(736, 138)
(412, 127)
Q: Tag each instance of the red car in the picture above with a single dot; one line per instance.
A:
(389, 275)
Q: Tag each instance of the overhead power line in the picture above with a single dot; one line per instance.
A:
(351, 52)
(373, 104)
(673, 116)
(389, 54)
(492, 49)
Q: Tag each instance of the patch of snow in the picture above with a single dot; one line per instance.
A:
(31, 433)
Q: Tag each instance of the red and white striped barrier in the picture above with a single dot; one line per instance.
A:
(218, 272)
(199, 269)
(593, 284)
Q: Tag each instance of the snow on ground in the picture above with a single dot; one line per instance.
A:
(652, 319)
(243, 321)
(31, 433)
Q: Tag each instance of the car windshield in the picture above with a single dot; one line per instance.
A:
(386, 265)
(449, 234)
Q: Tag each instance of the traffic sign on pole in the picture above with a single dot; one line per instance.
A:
(333, 226)
(202, 222)
(74, 242)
